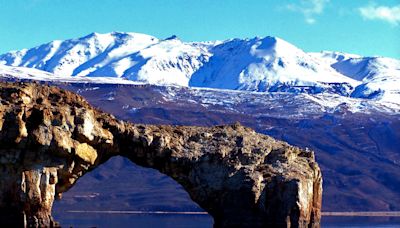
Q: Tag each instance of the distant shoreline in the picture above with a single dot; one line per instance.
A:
(344, 213)
(364, 213)
(143, 212)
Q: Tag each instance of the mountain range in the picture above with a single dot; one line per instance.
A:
(267, 64)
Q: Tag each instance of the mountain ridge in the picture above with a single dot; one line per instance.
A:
(267, 64)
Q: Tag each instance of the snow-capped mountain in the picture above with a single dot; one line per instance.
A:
(263, 64)
(379, 77)
(133, 56)
(331, 57)
(266, 64)
(80, 56)
(11, 73)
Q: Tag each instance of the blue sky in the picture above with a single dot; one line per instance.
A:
(355, 26)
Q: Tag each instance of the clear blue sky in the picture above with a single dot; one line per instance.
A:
(354, 26)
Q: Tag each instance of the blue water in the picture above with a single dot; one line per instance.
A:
(358, 222)
(136, 220)
(199, 221)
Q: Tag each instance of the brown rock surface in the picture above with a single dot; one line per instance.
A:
(51, 137)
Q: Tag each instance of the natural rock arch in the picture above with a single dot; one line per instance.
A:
(122, 187)
(51, 137)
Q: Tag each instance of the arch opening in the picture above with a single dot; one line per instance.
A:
(119, 193)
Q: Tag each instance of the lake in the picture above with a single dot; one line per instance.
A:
(78, 219)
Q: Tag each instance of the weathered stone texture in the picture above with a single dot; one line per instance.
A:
(51, 137)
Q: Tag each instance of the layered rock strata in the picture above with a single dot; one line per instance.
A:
(50, 137)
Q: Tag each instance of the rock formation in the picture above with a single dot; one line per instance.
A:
(50, 137)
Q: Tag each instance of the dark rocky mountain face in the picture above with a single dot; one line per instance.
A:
(359, 152)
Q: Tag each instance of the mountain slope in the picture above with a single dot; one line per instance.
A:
(79, 56)
(379, 76)
(263, 64)
(246, 64)
(134, 56)
(24, 73)
(259, 64)
(331, 57)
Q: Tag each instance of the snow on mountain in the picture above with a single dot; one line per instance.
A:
(379, 77)
(167, 62)
(134, 56)
(259, 64)
(368, 68)
(300, 103)
(80, 56)
(24, 73)
(331, 57)
(263, 64)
